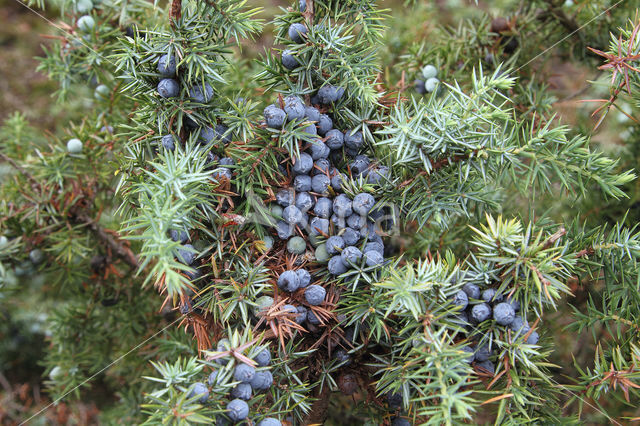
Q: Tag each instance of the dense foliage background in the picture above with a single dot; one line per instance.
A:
(532, 141)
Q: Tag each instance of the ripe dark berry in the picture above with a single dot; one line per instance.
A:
(244, 373)
(168, 88)
(353, 140)
(200, 95)
(302, 183)
(294, 108)
(394, 400)
(292, 215)
(237, 410)
(262, 380)
(469, 350)
(167, 142)
(284, 230)
(483, 353)
(374, 246)
(461, 299)
(351, 255)
(342, 206)
(334, 245)
(312, 114)
(328, 94)
(490, 296)
(336, 266)
(323, 207)
(242, 391)
(274, 116)
(488, 366)
(356, 221)
(376, 175)
(321, 166)
(200, 390)
(519, 325)
(400, 421)
(336, 182)
(302, 4)
(303, 201)
(303, 164)
(187, 254)
(472, 290)
(318, 149)
(296, 31)
(179, 236)
(480, 312)
(514, 303)
(373, 258)
(311, 129)
(302, 315)
(167, 66)
(319, 226)
(533, 338)
(312, 318)
(222, 133)
(419, 86)
(285, 197)
(503, 313)
(360, 165)
(315, 294)
(335, 139)
(289, 281)
(288, 60)
(320, 183)
(363, 203)
(304, 276)
(324, 125)
(350, 236)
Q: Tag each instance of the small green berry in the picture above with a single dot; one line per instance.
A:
(74, 146)
(297, 245)
(86, 23)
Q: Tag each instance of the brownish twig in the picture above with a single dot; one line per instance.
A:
(320, 408)
(122, 251)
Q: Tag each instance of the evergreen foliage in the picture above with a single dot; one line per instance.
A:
(161, 230)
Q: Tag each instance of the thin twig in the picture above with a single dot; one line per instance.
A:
(118, 248)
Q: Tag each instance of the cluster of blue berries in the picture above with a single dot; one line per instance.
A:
(477, 306)
(168, 87)
(429, 81)
(250, 380)
(342, 228)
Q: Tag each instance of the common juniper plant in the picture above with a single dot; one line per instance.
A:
(316, 231)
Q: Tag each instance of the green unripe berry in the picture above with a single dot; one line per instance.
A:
(431, 84)
(3, 241)
(268, 243)
(102, 92)
(84, 6)
(86, 23)
(56, 373)
(296, 245)
(321, 253)
(74, 146)
(429, 71)
(262, 304)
